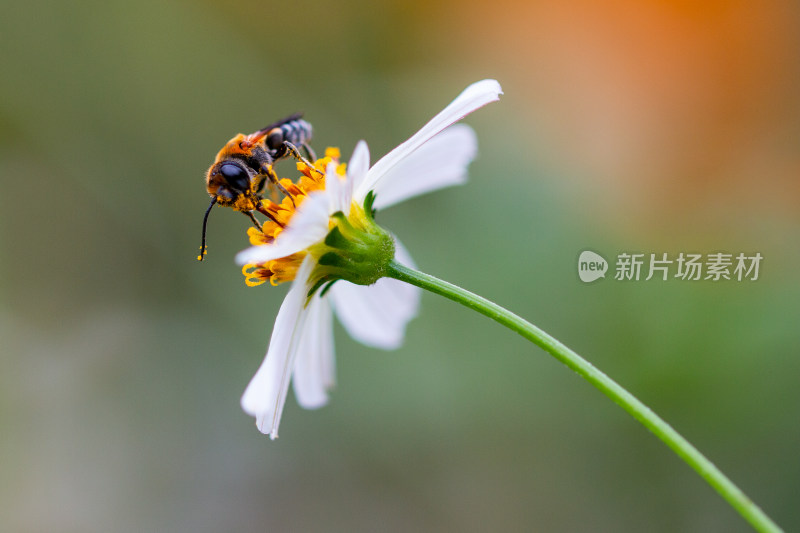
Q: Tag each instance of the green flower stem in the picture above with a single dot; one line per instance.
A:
(735, 497)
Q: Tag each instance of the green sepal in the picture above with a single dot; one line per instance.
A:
(368, 201)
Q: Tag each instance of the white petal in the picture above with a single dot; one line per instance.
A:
(441, 162)
(309, 225)
(265, 395)
(376, 315)
(473, 97)
(358, 166)
(314, 362)
(339, 190)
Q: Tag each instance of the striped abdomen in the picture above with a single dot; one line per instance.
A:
(295, 130)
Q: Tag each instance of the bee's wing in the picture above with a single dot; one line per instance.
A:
(280, 123)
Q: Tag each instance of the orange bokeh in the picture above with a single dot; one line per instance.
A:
(664, 102)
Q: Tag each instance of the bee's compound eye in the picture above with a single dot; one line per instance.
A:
(235, 175)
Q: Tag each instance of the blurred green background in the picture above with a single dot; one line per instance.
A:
(625, 126)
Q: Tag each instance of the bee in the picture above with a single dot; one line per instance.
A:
(245, 165)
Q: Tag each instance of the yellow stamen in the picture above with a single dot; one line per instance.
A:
(253, 275)
(285, 268)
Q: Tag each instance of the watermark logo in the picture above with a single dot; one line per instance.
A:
(633, 266)
(591, 266)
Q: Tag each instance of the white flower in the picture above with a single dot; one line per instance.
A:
(301, 348)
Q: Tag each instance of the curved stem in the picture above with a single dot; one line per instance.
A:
(734, 496)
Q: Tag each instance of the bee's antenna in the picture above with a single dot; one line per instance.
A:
(205, 221)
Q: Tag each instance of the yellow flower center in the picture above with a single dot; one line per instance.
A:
(285, 269)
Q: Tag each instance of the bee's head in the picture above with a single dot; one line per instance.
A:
(229, 184)
(229, 179)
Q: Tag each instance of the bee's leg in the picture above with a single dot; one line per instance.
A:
(309, 151)
(255, 222)
(267, 169)
(273, 191)
(264, 162)
(260, 188)
(292, 149)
